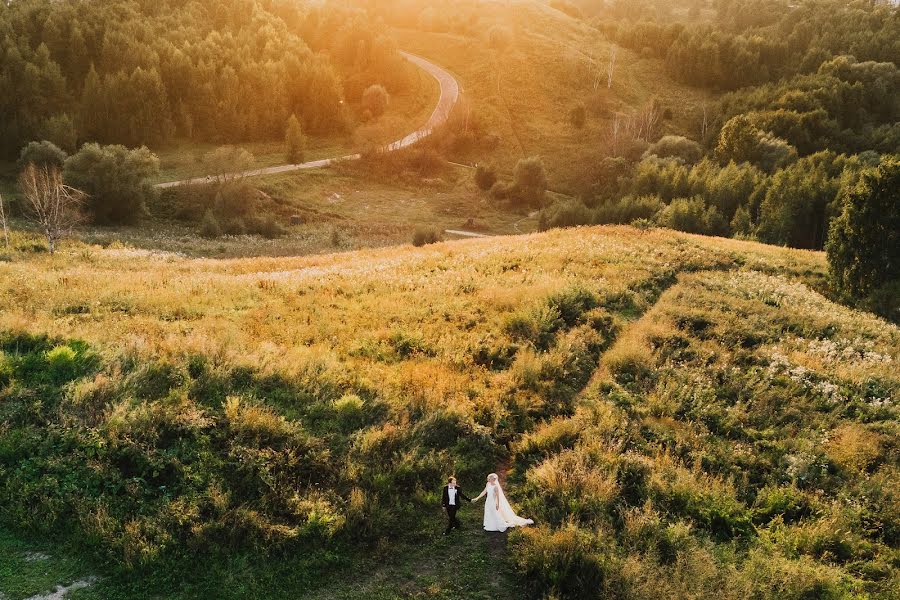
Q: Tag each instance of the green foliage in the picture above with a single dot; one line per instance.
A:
(529, 186)
(209, 226)
(375, 100)
(741, 141)
(675, 146)
(42, 154)
(864, 241)
(564, 562)
(126, 75)
(294, 141)
(485, 177)
(691, 215)
(798, 202)
(115, 180)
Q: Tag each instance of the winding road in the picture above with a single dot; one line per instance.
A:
(449, 96)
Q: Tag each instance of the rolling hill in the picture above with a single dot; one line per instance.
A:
(680, 415)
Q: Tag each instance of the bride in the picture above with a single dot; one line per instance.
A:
(498, 514)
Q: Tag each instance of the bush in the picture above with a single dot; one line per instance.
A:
(209, 226)
(115, 180)
(626, 210)
(424, 236)
(692, 216)
(567, 561)
(294, 141)
(235, 226)
(42, 154)
(529, 187)
(267, 226)
(675, 146)
(485, 177)
(375, 100)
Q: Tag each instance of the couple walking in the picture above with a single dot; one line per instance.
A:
(498, 514)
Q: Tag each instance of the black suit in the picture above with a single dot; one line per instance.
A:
(452, 508)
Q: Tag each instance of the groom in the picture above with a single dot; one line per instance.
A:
(451, 498)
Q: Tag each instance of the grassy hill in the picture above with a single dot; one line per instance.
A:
(523, 93)
(682, 416)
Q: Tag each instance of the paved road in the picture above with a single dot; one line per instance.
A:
(449, 96)
(468, 234)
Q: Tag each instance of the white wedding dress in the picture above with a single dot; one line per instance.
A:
(504, 518)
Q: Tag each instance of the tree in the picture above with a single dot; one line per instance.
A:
(228, 163)
(795, 209)
(294, 141)
(3, 223)
(209, 226)
(50, 204)
(375, 100)
(741, 141)
(611, 65)
(115, 179)
(864, 241)
(530, 184)
(675, 146)
(42, 154)
(485, 177)
(738, 140)
(60, 129)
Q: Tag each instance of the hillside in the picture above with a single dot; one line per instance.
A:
(682, 416)
(522, 89)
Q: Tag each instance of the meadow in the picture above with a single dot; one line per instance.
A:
(681, 415)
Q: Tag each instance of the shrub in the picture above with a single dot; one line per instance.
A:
(375, 100)
(530, 184)
(266, 226)
(675, 146)
(42, 154)
(423, 236)
(501, 191)
(692, 216)
(294, 141)
(485, 177)
(567, 213)
(235, 226)
(115, 180)
(627, 210)
(566, 561)
(209, 226)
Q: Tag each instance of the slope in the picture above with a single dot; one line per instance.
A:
(291, 420)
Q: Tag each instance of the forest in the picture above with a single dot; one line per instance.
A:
(146, 73)
(808, 99)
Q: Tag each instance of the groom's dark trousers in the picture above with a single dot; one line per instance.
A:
(451, 509)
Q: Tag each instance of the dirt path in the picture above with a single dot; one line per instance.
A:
(449, 95)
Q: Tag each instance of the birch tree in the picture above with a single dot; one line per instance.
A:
(3, 223)
(611, 65)
(50, 204)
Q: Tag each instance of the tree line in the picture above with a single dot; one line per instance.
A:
(145, 73)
